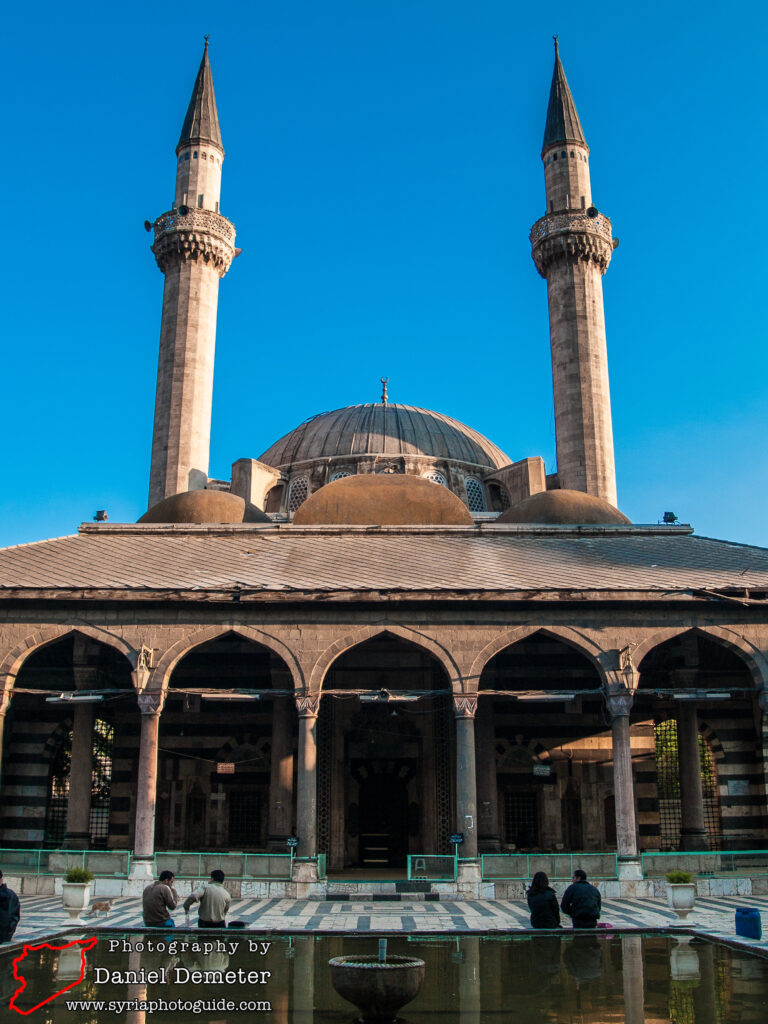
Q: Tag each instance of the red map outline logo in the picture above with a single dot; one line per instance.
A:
(85, 945)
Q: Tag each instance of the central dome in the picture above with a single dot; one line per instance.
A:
(378, 429)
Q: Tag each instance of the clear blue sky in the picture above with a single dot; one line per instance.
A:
(382, 169)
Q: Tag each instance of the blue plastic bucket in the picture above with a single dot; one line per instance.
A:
(748, 923)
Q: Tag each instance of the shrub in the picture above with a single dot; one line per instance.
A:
(78, 875)
(679, 877)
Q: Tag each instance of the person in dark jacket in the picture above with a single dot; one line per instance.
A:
(581, 901)
(542, 902)
(10, 911)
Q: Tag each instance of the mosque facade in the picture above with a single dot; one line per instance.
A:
(383, 633)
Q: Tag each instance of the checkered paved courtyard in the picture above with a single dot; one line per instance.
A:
(44, 915)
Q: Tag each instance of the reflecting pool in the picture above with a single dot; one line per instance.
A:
(217, 978)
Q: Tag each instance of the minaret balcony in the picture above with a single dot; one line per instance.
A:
(572, 235)
(199, 235)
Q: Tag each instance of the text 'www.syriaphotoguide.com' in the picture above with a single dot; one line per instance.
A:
(168, 1005)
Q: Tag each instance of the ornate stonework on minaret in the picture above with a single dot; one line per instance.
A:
(572, 246)
(194, 247)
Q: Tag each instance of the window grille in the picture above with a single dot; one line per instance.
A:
(244, 818)
(340, 475)
(437, 478)
(101, 784)
(521, 818)
(475, 495)
(668, 781)
(298, 493)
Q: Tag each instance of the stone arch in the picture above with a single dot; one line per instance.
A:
(752, 657)
(359, 636)
(538, 752)
(14, 660)
(170, 659)
(572, 637)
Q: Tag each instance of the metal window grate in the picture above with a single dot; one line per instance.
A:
(475, 495)
(101, 784)
(244, 818)
(340, 475)
(521, 818)
(437, 478)
(298, 493)
(668, 781)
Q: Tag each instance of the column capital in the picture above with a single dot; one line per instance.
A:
(464, 705)
(151, 703)
(308, 705)
(619, 702)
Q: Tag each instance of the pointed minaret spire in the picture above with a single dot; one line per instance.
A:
(572, 247)
(202, 121)
(563, 123)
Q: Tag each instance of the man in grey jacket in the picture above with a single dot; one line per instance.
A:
(214, 902)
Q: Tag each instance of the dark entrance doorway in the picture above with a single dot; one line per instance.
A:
(382, 811)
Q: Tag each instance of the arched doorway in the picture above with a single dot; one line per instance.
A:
(541, 714)
(692, 689)
(227, 744)
(384, 757)
(73, 702)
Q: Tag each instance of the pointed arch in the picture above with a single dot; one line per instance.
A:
(754, 659)
(581, 643)
(359, 636)
(14, 660)
(169, 660)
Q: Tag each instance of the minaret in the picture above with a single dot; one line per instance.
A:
(193, 246)
(572, 246)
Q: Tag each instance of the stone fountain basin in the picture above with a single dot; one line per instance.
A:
(377, 988)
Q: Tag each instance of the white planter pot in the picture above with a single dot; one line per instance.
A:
(681, 898)
(76, 897)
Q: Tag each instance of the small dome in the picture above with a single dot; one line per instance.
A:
(384, 430)
(383, 500)
(204, 507)
(563, 507)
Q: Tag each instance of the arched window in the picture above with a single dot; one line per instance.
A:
(437, 478)
(298, 493)
(101, 785)
(668, 781)
(340, 474)
(475, 495)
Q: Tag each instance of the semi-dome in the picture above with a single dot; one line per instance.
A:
(563, 508)
(376, 500)
(379, 429)
(204, 507)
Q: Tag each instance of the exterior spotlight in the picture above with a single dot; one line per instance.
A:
(101, 516)
(75, 698)
(669, 519)
(231, 696)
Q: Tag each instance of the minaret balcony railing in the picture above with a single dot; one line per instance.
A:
(571, 222)
(194, 221)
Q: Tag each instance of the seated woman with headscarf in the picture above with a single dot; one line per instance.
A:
(542, 902)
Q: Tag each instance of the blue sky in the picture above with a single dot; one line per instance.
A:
(382, 170)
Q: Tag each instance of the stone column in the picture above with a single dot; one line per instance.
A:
(619, 707)
(633, 978)
(81, 767)
(488, 830)
(150, 706)
(693, 834)
(470, 991)
(280, 776)
(464, 707)
(303, 1009)
(306, 782)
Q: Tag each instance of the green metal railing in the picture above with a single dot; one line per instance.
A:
(101, 863)
(427, 867)
(711, 863)
(246, 866)
(500, 867)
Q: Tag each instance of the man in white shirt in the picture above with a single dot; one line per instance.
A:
(214, 902)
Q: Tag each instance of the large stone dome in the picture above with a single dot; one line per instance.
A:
(204, 507)
(378, 429)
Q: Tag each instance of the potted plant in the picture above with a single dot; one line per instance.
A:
(681, 892)
(76, 891)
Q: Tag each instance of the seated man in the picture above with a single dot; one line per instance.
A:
(214, 902)
(581, 901)
(158, 900)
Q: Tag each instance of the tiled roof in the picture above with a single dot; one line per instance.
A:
(470, 559)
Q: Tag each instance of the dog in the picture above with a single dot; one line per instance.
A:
(99, 907)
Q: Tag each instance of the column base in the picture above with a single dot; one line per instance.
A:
(468, 879)
(304, 871)
(629, 869)
(489, 844)
(694, 839)
(142, 869)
